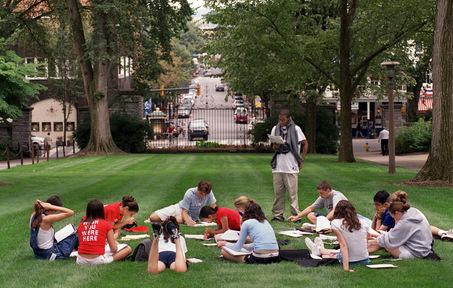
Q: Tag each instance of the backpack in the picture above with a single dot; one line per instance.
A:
(141, 252)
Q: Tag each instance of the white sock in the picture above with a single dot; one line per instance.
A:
(441, 232)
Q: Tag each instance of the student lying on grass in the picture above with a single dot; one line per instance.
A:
(168, 248)
(264, 246)
(411, 237)
(327, 199)
(93, 233)
(42, 233)
(352, 234)
(384, 221)
(188, 209)
(224, 217)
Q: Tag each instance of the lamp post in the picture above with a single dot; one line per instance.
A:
(391, 67)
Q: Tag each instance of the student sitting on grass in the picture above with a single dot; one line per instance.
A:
(351, 234)
(411, 237)
(168, 248)
(42, 234)
(264, 244)
(93, 233)
(382, 219)
(224, 217)
(188, 209)
(241, 203)
(327, 199)
(120, 214)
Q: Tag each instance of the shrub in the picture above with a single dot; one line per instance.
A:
(326, 136)
(128, 134)
(207, 144)
(415, 138)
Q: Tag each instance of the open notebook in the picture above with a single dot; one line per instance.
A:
(322, 224)
(64, 232)
(230, 235)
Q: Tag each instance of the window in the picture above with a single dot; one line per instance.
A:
(41, 67)
(35, 126)
(70, 126)
(58, 126)
(46, 127)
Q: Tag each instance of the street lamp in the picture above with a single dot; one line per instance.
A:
(391, 67)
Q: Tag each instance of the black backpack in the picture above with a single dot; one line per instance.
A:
(141, 252)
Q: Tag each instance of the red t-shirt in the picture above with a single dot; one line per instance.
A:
(234, 219)
(112, 212)
(92, 236)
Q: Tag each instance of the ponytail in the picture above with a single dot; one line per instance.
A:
(39, 210)
(130, 203)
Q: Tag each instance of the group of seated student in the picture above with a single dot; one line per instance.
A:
(99, 226)
(408, 234)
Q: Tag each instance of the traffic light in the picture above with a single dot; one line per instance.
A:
(162, 90)
(198, 89)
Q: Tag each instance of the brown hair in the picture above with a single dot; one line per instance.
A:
(400, 196)
(39, 210)
(344, 209)
(324, 185)
(165, 232)
(130, 202)
(243, 201)
(204, 186)
(254, 211)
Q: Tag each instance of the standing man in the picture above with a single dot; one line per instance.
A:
(384, 139)
(286, 163)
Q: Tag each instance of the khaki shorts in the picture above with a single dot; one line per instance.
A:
(172, 210)
(103, 259)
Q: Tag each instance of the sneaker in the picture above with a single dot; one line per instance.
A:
(447, 236)
(157, 229)
(314, 250)
(319, 243)
(278, 218)
(172, 230)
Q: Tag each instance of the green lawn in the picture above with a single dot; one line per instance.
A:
(160, 180)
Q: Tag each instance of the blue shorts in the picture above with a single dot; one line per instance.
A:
(360, 262)
(167, 257)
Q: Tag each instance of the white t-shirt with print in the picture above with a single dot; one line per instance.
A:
(287, 163)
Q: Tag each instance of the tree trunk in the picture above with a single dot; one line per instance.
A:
(412, 104)
(311, 124)
(347, 10)
(95, 83)
(439, 166)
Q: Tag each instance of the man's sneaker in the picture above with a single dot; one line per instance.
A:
(319, 243)
(157, 229)
(172, 230)
(314, 250)
(279, 218)
(447, 236)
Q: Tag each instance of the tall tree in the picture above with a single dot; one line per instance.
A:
(439, 166)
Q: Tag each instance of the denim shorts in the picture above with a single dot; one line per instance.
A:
(360, 262)
(167, 257)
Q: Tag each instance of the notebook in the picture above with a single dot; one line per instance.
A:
(243, 251)
(322, 224)
(230, 235)
(64, 232)
(294, 233)
(276, 139)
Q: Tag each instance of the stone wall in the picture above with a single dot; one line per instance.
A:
(130, 105)
(21, 129)
(5, 134)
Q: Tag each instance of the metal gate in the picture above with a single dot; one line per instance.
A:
(203, 127)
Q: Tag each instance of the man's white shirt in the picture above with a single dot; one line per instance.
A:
(286, 163)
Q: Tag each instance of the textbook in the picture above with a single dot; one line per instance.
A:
(230, 235)
(276, 139)
(322, 224)
(243, 251)
(65, 232)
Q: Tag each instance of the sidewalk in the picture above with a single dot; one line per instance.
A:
(414, 161)
(27, 161)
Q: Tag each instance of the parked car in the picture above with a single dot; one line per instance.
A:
(198, 128)
(220, 87)
(241, 115)
(38, 142)
(184, 112)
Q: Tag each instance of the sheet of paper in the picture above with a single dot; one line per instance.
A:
(381, 266)
(276, 139)
(230, 235)
(374, 256)
(294, 233)
(328, 237)
(236, 253)
(134, 237)
(194, 260)
(64, 232)
(209, 244)
(322, 224)
(194, 236)
(147, 221)
(204, 224)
